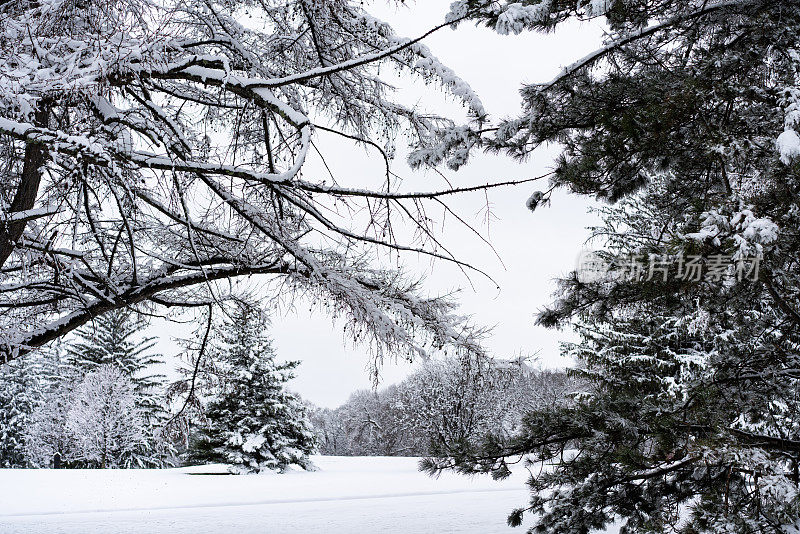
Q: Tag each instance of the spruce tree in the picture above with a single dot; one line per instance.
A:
(252, 422)
(114, 339)
(45, 432)
(26, 387)
(20, 394)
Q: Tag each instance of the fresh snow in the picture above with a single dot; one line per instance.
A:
(788, 146)
(345, 495)
(517, 17)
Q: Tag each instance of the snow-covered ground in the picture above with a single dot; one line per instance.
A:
(346, 495)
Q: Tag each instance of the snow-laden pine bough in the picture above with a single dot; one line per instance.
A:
(151, 150)
(687, 118)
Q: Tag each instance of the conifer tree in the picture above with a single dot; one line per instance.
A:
(252, 422)
(687, 119)
(26, 386)
(692, 420)
(20, 394)
(114, 339)
(46, 433)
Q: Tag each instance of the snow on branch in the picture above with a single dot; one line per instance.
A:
(156, 150)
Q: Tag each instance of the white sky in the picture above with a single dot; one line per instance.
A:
(534, 247)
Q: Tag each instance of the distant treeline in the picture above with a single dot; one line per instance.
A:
(446, 402)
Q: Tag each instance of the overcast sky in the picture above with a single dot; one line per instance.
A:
(535, 247)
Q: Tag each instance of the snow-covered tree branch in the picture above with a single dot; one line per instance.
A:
(152, 149)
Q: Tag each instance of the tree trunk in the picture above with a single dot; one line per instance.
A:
(27, 190)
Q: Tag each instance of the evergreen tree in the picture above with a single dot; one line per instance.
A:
(26, 387)
(20, 394)
(46, 433)
(692, 420)
(114, 339)
(687, 118)
(252, 422)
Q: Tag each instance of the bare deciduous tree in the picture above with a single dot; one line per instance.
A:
(153, 149)
(104, 420)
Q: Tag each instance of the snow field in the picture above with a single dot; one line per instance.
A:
(346, 495)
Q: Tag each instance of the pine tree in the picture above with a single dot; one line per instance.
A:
(692, 417)
(114, 339)
(26, 387)
(687, 119)
(252, 422)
